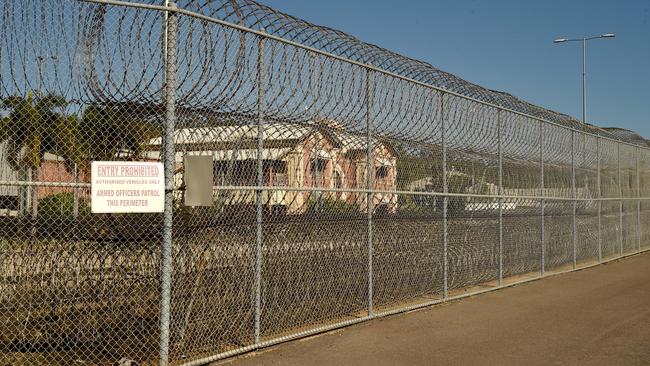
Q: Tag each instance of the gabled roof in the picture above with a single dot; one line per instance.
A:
(274, 135)
(233, 134)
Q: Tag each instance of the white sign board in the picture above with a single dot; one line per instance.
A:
(127, 186)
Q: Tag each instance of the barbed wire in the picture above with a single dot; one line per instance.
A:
(89, 66)
(346, 179)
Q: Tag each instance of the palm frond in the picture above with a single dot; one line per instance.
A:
(13, 101)
(50, 101)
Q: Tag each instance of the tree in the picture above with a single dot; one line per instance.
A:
(32, 129)
(111, 132)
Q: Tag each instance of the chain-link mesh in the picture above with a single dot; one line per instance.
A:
(348, 182)
(75, 287)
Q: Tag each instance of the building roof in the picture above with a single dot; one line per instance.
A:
(240, 142)
(234, 134)
(278, 132)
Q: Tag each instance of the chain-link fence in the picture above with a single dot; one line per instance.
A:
(349, 182)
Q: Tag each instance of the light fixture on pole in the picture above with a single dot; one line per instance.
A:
(584, 82)
(584, 68)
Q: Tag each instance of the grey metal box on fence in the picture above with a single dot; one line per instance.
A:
(198, 177)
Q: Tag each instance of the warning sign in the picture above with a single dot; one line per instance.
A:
(126, 186)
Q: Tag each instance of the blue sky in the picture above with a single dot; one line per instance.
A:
(508, 45)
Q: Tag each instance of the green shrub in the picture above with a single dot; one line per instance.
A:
(331, 205)
(61, 205)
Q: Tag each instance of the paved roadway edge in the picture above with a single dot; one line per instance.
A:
(327, 328)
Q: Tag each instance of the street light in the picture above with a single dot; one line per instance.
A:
(584, 68)
(584, 86)
(40, 61)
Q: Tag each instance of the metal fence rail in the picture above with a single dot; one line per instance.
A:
(350, 182)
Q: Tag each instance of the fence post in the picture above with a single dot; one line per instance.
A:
(258, 191)
(445, 199)
(573, 189)
(75, 192)
(169, 167)
(620, 194)
(500, 150)
(600, 202)
(541, 183)
(369, 175)
(638, 201)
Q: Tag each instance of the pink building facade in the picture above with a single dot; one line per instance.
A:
(306, 166)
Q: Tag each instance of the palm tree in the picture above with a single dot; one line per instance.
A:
(33, 129)
(114, 132)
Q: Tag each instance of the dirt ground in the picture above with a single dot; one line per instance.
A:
(597, 316)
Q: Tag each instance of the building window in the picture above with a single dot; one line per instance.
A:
(8, 202)
(338, 183)
(235, 173)
(317, 171)
(381, 172)
(338, 180)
